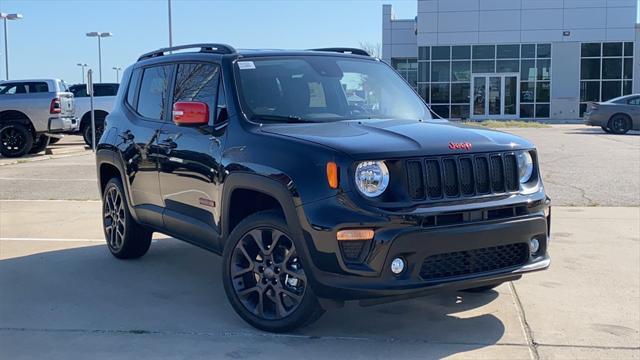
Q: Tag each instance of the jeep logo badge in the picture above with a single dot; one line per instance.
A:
(460, 146)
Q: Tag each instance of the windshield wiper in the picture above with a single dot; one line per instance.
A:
(291, 119)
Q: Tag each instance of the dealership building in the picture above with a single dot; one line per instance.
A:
(510, 59)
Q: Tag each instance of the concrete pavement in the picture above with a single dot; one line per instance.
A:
(63, 296)
(584, 166)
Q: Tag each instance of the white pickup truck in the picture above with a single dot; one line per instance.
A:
(104, 98)
(30, 111)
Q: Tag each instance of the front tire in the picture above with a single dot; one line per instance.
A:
(619, 124)
(15, 139)
(126, 239)
(263, 275)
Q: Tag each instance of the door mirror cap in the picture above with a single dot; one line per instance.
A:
(190, 113)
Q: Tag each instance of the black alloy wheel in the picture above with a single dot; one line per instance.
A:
(619, 124)
(267, 274)
(115, 225)
(264, 277)
(15, 140)
(126, 239)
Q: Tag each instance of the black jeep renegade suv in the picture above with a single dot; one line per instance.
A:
(319, 176)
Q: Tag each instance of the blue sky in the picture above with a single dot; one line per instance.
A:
(51, 40)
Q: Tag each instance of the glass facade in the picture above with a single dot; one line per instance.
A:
(408, 68)
(606, 71)
(445, 75)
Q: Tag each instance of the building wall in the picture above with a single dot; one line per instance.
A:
(398, 36)
(520, 21)
(565, 88)
(567, 25)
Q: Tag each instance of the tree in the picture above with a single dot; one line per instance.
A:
(374, 49)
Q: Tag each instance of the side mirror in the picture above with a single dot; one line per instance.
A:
(190, 113)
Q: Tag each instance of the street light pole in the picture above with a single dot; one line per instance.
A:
(117, 69)
(99, 35)
(82, 65)
(6, 17)
(170, 26)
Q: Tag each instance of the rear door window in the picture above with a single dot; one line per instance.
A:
(154, 90)
(24, 88)
(39, 87)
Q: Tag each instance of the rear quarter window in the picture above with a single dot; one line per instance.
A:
(134, 81)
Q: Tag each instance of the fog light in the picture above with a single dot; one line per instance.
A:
(397, 266)
(534, 246)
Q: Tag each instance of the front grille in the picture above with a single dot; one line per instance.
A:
(462, 175)
(471, 262)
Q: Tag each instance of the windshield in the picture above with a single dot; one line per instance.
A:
(324, 88)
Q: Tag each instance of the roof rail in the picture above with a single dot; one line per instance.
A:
(353, 51)
(208, 48)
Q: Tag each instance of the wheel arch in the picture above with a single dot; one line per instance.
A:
(86, 118)
(617, 114)
(268, 193)
(17, 116)
(108, 167)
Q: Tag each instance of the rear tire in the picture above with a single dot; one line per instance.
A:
(619, 124)
(126, 239)
(86, 130)
(263, 276)
(41, 143)
(15, 139)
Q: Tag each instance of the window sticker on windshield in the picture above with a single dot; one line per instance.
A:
(246, 65)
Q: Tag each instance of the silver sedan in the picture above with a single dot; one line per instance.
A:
(616, 116)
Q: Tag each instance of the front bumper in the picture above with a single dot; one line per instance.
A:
(408, 238)
(63, 124)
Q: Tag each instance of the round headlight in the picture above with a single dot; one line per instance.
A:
(372, 178)
(525, 166)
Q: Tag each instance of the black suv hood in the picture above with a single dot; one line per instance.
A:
(384, 139)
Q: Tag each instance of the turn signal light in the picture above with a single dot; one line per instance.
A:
(332, 175)
(355, 234)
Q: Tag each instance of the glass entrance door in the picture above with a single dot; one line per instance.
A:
(495, 96)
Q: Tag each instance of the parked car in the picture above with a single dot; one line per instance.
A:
(616, 116)
(104, 97)
(258, 156)
(30, 111)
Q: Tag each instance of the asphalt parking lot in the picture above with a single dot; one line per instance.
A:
(63, 296)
